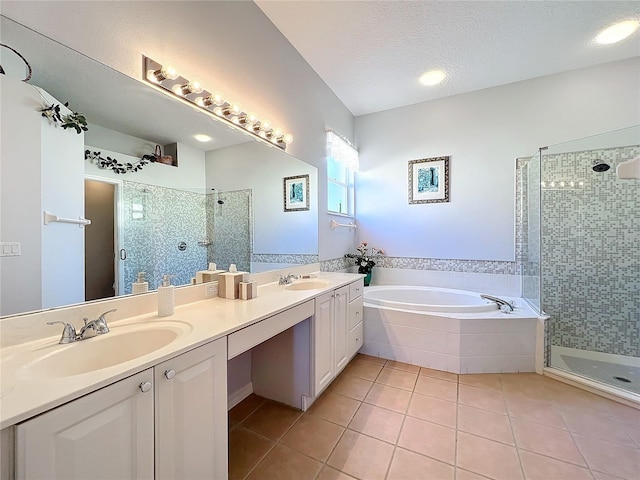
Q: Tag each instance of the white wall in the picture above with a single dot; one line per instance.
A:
(243, 55)
(263, 171)
(189, 175)
(483, 132)
(33, 152)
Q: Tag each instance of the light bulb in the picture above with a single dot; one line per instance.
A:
(287, 138)
(553, 184)
(164, 73)
(543, 184)
(617, 32)
(195, 86)
(562, 184)
(217, 99)
(178, 89)
(218, 111)
(265, 125)
(251, 118)
(277, 132)
(235, 108)
(572, 184)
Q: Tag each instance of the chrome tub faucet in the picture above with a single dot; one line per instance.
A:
(504, 305)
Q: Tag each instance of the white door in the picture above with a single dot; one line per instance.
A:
(340, 329)
(107, 434)
(323, 341)
(191, 414)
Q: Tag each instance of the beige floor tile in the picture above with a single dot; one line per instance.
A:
(377, 422)
(371, 359)
(462, 474)
(313, 437)
(433, 409)
(482, 380)
(246, 448)
(282, 463)
(429, 439)
(486, 457)
(328, 473)
(407, 367)
(628, 415)
(484, 423)
(599, 426)
(546, 440)
(392, 398)
(611, 458)
(429, 372)
(574, 399)
(350, 386)
(363, 369)
(245, 408)
(603, 476)
(533, 410)
(408, 465)
(481, 398)
(361, 456)
(272, 419)
(538, 467)
(437, 388)
(397, 378)
(335, 408)
(633, 430)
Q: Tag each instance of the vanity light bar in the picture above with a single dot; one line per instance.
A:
(192, 91)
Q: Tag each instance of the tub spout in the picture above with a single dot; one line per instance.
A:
(505, 306)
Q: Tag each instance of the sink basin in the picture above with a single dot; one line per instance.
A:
(120, 345)
(307, 285)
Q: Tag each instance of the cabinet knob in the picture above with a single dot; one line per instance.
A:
(357, 312)
(145, 387)
(169, 374)
(357, 340)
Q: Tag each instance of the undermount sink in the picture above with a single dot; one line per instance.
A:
(120, 345)
(307, 285)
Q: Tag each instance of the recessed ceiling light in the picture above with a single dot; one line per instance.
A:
(432, 77)
(202, 138)
(617, 32)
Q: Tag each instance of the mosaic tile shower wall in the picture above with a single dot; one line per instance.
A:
(590, 255)
(229, 227)
(156, 220)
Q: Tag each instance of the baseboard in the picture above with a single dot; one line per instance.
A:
(236, 397)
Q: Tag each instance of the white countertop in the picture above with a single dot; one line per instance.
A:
(23, 395)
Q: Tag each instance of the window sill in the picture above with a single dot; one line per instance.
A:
(341, 215)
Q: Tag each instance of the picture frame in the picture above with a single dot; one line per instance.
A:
(429, 180)
(296, 193)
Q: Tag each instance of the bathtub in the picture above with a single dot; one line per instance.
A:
(451, 330)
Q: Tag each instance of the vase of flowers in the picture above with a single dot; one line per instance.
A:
(365, 259)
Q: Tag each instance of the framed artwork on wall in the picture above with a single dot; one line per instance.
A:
(296, 193)
(429, 180)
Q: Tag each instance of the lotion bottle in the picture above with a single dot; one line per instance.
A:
(140, 285)
(166, 297)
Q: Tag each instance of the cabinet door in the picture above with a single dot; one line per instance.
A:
(340, 328)
(323, 341)
(106, 434)
(191, 414)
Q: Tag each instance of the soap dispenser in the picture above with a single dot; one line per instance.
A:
(140, 285)
(166, 297)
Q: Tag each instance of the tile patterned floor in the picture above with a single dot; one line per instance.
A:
(385, 420)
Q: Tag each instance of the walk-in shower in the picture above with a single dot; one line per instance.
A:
(580, 236)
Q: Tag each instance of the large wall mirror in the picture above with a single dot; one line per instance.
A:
(224, 202)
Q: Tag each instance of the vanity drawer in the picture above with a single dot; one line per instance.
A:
(355, 313)
(356, 337)
(249, 337)
(356, 289)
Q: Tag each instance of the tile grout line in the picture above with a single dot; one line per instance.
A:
(455, 453)
(513, 434)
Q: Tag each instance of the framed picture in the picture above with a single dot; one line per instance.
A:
(296, 193)
(429, 180)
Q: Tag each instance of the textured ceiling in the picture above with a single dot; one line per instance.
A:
(371, 53)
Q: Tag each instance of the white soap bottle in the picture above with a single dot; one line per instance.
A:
(166, 297)
(140, 285)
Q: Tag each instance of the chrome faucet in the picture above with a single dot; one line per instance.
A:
(287, 279)
(505, 306)
(90, 329)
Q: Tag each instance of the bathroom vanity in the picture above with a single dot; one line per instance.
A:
(163, 414)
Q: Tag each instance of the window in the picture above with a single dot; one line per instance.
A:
(342, 162)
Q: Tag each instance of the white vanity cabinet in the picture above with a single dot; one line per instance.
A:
(337, 332)
(177, 409)
(106, 434)
(191, 414)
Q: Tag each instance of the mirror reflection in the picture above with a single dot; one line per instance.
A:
(223, 203)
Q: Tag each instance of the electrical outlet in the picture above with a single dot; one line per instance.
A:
(210, 289)
(10, 249)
